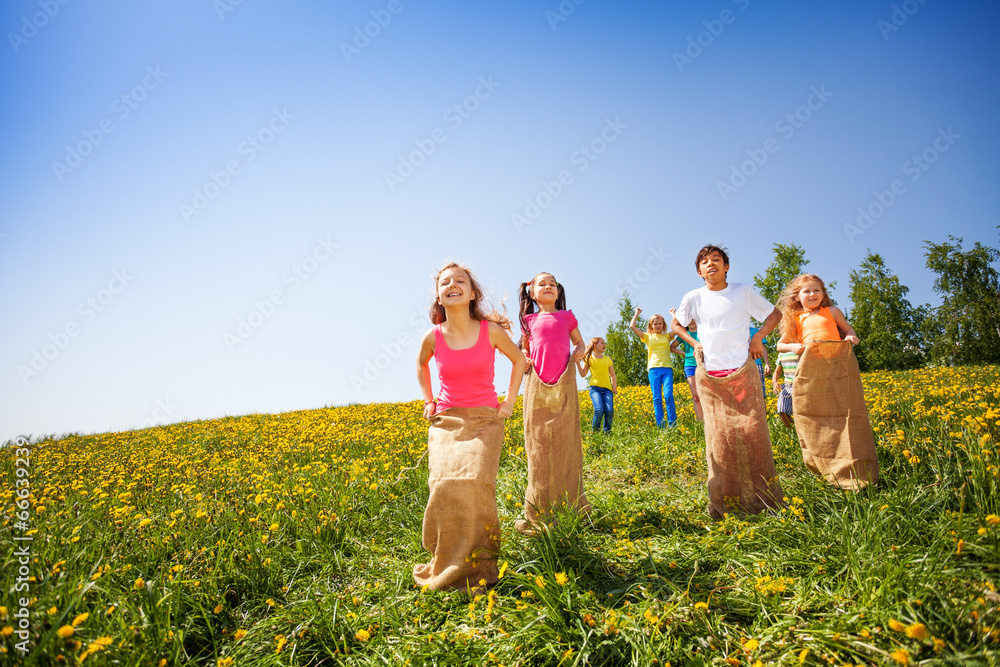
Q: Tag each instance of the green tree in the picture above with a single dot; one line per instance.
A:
(624, 348)
(888, 326)
(788, 262)
(966, 326)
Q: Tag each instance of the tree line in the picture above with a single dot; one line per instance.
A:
(895, 335)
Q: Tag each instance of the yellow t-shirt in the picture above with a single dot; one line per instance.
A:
(658, 349)
(600, 372)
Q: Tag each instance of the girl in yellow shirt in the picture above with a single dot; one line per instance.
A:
(603, 382)
(661, 371)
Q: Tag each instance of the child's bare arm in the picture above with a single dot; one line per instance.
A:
(845, 328)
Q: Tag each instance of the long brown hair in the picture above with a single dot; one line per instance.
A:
(590, 349)
(477, 310)
(791, 307)
(527, 304)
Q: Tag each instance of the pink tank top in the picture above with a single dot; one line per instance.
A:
(466, 376)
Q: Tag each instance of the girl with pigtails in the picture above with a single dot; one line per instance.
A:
(551, 340)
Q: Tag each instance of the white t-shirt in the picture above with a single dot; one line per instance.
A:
(723, 319)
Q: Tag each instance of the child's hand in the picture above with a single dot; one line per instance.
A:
(774, 386)
(638, 311)
(767, 368)
(756, 349)
(854, 340)
(506, 408)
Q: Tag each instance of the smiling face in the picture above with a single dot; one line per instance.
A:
(713, 267)
(545, 290)
(811, 294)
(657, 325)
(454, 287)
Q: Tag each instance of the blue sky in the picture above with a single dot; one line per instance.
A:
(212, 208)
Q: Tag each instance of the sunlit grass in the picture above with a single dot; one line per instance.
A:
(289, 539)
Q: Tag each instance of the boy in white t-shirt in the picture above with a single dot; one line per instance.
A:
(741, 473)
(722, 312)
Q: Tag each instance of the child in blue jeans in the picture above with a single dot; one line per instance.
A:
(603, 382)
(661, 371)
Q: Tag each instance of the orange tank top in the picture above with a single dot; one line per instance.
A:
(817, 325)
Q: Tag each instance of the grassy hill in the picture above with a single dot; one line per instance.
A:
(289, 539)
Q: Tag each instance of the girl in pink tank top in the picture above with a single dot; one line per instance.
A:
(461, 527)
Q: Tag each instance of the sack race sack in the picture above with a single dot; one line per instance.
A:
(554, 449)
(461, 528)
(742, 478)
(831, 417)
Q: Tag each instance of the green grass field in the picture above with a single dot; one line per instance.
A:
(289, 540)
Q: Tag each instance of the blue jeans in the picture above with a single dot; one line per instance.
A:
(661, 380)
(604, 407)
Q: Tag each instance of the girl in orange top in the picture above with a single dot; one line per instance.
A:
(808, 314)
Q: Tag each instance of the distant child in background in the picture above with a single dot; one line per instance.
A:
(603, 382)
(553, 444)
(763, 363)
(787, 363)
(831, 418)
(741, 474)
(661, 371)
(681, 346)
(461, 527)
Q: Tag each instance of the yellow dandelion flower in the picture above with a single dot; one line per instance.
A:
(539, 581)
(561, 578)
(145, 522)
(138, 583)
(503, 569)
(900, 656)
(217, 609)
(959, 547)
(239, 634)
(66, 631)
(224, 662)
(918, 631)
(751, 645)
(82, 618)
(701, 605)
(802, 655)
(362, 635)
(7, 631)
(896, 625)
(992, 519)
(281, 643)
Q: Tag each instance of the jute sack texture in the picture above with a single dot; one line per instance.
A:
(831, 417)
(554, 449)
(741, 475)
(461, 527)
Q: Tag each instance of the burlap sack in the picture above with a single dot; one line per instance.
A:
(461, 527)
(831, 417)
(741, 474)
(554, 449)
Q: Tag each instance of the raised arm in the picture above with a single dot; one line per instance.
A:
(424, 373)
(501, 341)
(631, 325)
